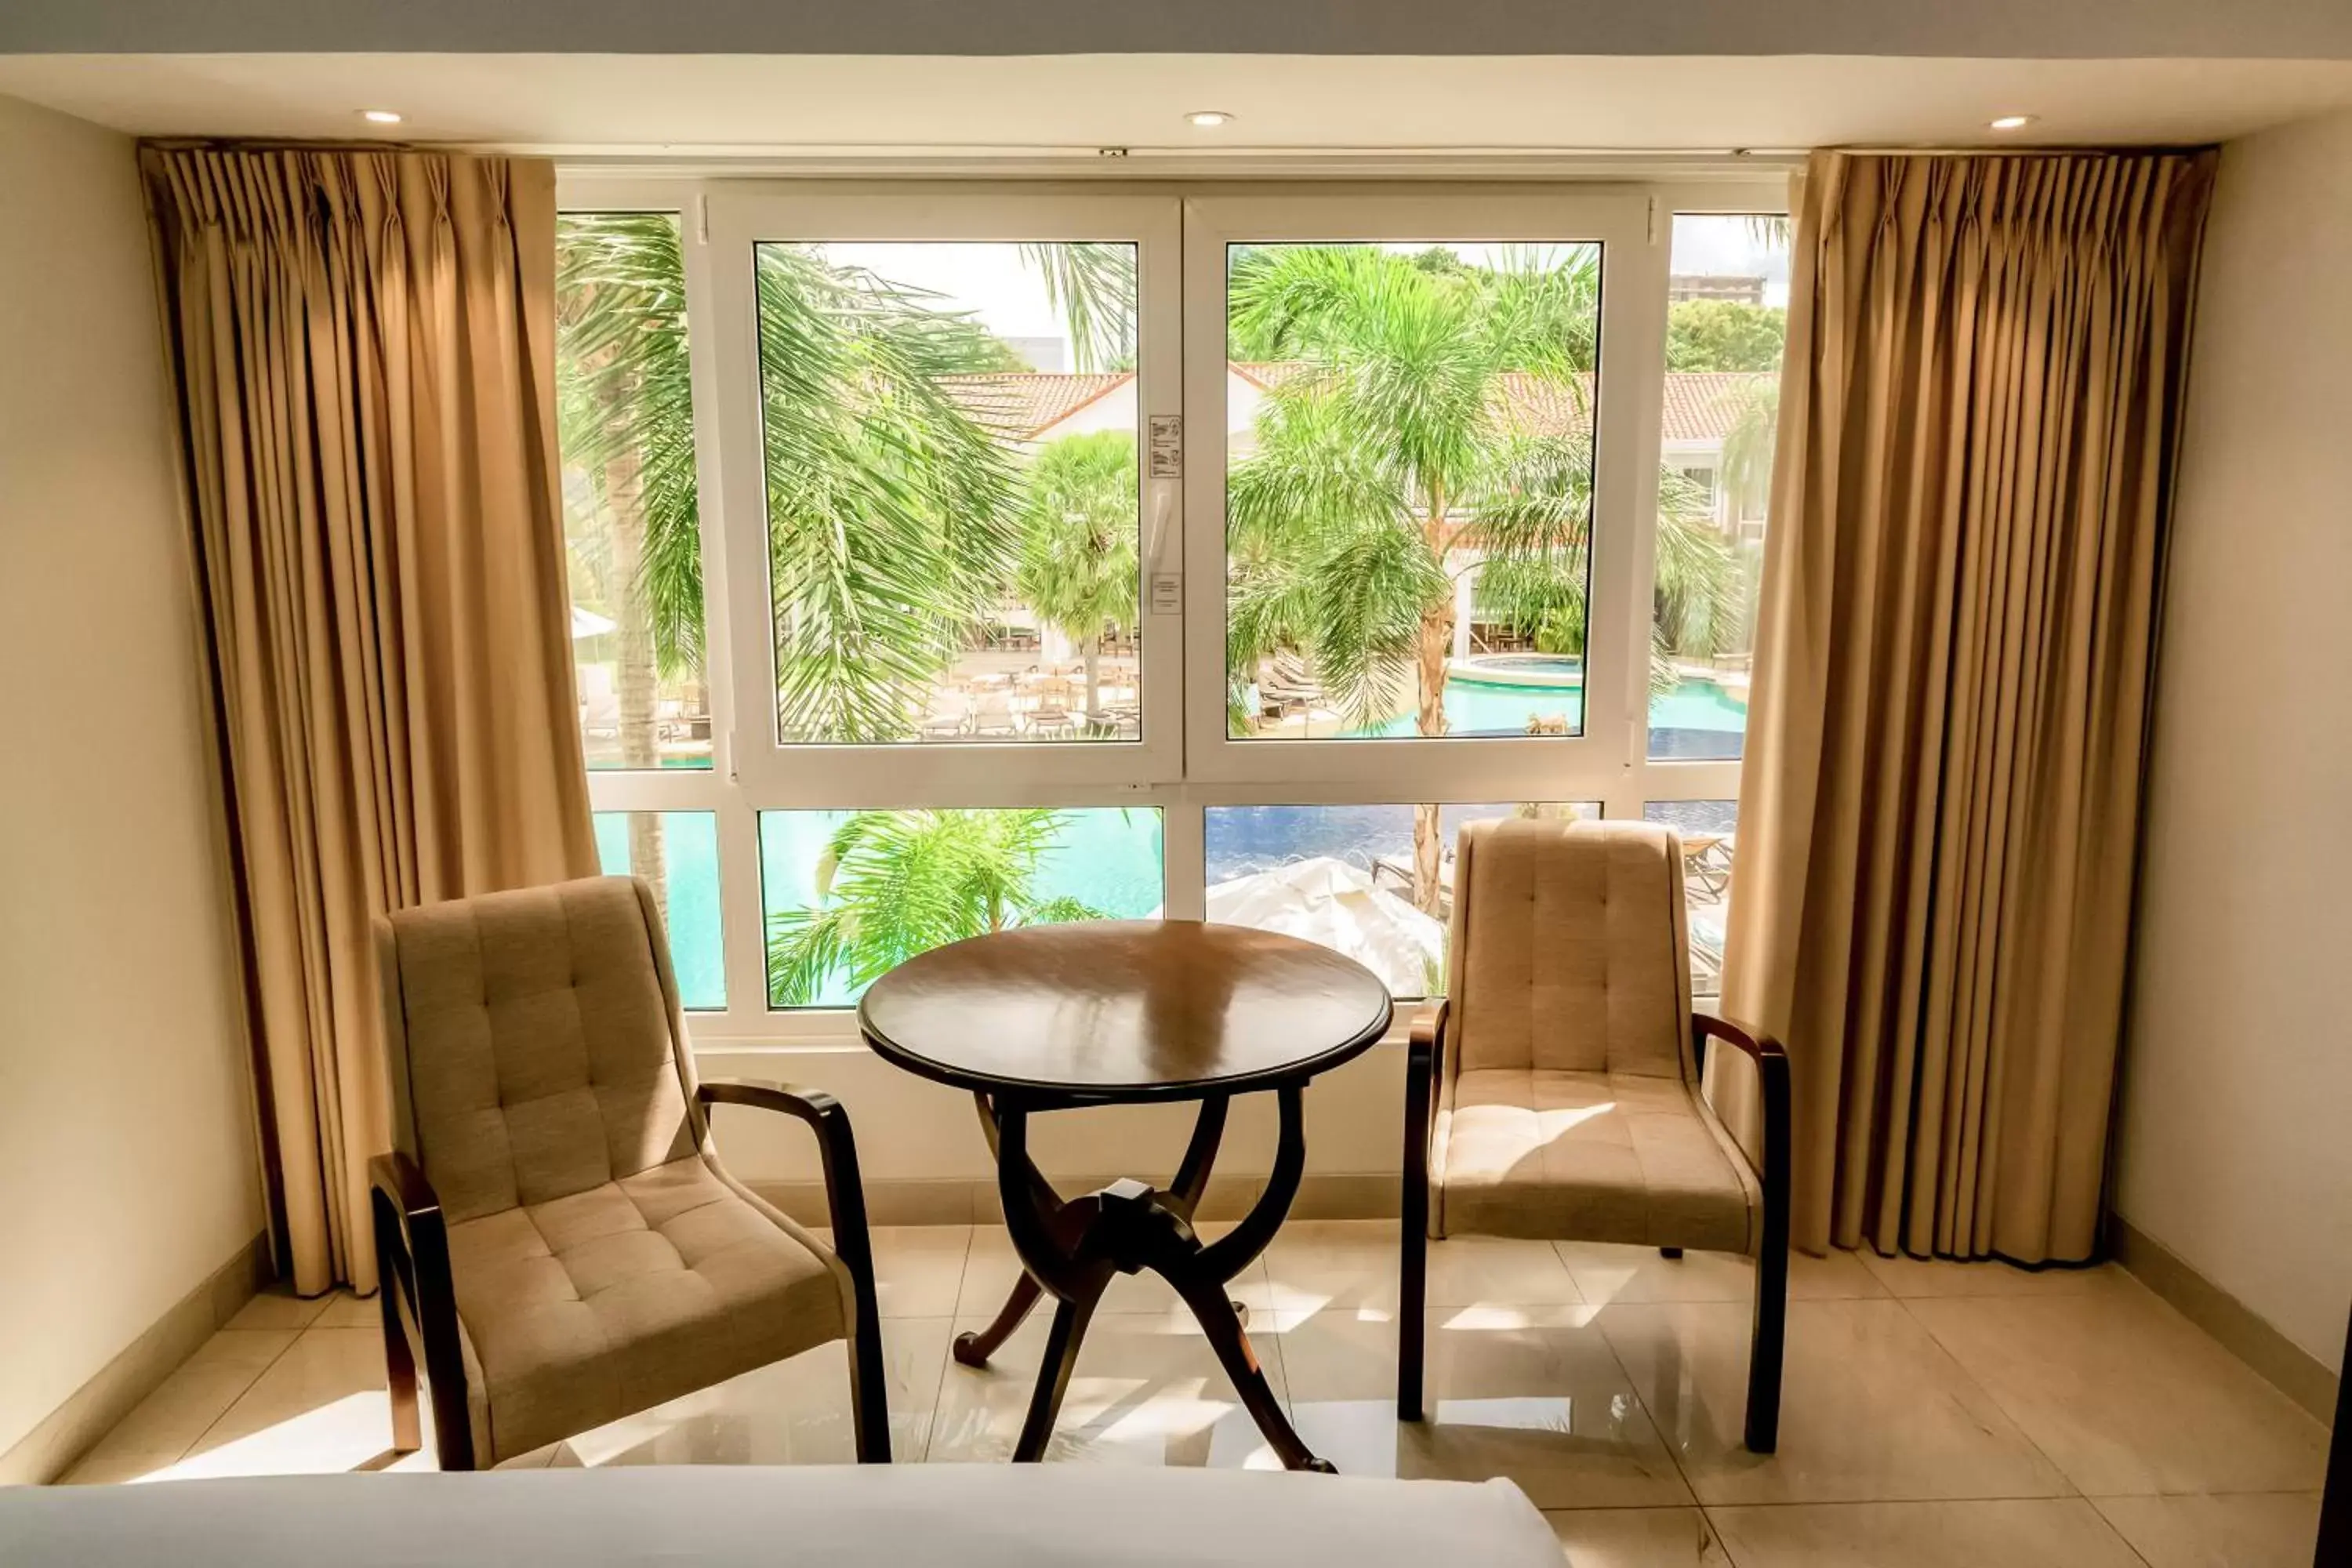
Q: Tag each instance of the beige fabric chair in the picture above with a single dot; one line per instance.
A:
(1556, 1094)
(552, 1222)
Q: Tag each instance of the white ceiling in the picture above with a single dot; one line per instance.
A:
(882, 105)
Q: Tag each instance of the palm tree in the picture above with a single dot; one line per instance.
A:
(897, 883)
(890, 524)
(1078, 554)
(1093, 285)
(626, 416)
(1396, 453)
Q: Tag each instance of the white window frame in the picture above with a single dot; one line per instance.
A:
(1184, 764)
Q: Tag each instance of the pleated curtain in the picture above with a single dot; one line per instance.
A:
(363, 343)
(1980, 410)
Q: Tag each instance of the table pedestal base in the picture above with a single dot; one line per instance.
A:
(1071, 1251)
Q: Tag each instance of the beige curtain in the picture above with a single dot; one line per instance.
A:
(1979, 412)
(364, 348)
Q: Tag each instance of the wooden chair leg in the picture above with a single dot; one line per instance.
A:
(869, 1394)
(1422, 1066)
(1412, 1293)
(399, 1355)
(1765, 1350)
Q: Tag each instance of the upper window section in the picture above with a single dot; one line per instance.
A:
(1409, 488)
(1727, 315)
(953, 509)
(631, 528)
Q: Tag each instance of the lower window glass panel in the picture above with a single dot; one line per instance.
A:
(1709, 830)
(850, 894)
(1344, 876)
(677, 852)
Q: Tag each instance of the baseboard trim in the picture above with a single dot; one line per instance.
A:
(92, 1411)
(908, 1201)
(2244, 1332)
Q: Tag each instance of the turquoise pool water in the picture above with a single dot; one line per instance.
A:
(1111, 858)
(1490, 707)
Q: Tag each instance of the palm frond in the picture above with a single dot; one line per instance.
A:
(1093, 285)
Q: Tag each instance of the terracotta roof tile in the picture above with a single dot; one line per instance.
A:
(1023, 404)
(1700, 405)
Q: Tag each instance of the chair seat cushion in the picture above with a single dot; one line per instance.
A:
(588, 1307)
(1574, 1156)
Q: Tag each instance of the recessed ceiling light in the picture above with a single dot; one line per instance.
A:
(381, 116)
(1209, 119)
(2012, 123)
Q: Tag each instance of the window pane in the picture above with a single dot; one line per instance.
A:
(1727, 314)
(953, 497)
(1407, 489)
(849, 894)
(677, 853)
(1708, 829)
(1344, 876)
(625, 422)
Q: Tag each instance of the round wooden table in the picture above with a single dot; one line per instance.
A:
(1121, 1013)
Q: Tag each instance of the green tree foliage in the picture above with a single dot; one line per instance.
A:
(890, 522)
(897, 883)
(1724, 334)
(1078, 567)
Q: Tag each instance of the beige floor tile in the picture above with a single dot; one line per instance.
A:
(2127, 1396)
(2251, 1530)
(1351, 1266)
(319, 1407)
(992, 1265)
(1637, 1538)
(167, 1422)
(1933, 1276)
(280, 1308)
(1530, 1394)
(794, 1411)
(1872, 1409)
(1607, 1273)
(1148, 1390)
(2056, 1532)
(918, 1269)
(345, 1310)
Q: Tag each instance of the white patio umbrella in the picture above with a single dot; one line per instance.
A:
(1329, 901)
(588, 624)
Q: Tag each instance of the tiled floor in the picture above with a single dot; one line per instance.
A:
(1936, 1413)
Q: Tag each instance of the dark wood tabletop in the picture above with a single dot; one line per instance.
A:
(1106, 1012)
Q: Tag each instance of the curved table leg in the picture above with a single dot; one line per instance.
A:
(1071, 1251)
(1184, 1194)
(1062, 1341)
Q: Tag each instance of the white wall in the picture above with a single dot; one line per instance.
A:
(127, 1166)
(2237, 1153)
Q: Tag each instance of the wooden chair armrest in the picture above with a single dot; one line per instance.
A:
(1428, 1027)
(1772, 1072)
(410, 1196)
(1754, 1041)
(413, 1262)
(845, 1191)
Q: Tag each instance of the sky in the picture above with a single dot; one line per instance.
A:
(990, 281)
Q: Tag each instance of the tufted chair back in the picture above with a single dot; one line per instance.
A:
(534, 1043)
(1580, 960)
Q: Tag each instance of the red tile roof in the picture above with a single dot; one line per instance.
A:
(1024, 403)
(1700, 405)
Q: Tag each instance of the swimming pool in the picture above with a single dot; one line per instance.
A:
(1111, 858)
(1698, 719)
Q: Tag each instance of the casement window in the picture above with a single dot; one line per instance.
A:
(949, 558)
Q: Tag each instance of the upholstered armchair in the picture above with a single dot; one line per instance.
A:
(1557, 1093)
(554, 1229)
